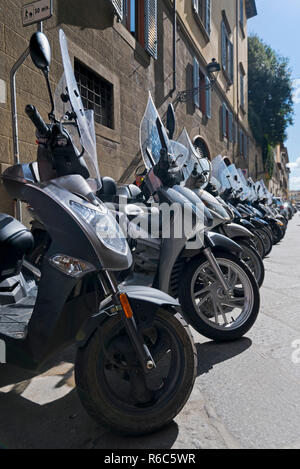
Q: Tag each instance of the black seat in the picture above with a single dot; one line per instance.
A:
(15, 242)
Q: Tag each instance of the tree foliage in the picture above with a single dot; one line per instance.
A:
(270, 94)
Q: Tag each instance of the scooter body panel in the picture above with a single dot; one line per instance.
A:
(234, 231)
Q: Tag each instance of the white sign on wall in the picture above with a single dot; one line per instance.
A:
(2, 352)
(36, 12)
(2, 92)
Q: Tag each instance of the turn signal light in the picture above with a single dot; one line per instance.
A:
(126, 306)
(71, 266)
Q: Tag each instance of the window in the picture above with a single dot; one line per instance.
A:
(97, 94)
(134, 14)
(227, 54)
(202, 9)
(202, 98)
(227, 123)
(243, 144)
(140, 18)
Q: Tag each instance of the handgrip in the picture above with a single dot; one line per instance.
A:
(37, 120)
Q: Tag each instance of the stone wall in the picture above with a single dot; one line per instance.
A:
(103, 44)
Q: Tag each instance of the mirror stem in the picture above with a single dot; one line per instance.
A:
(51, 114)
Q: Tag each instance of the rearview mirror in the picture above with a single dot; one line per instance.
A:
(40, 51)
(171, 121)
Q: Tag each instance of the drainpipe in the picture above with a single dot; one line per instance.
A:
(174, 47)
(237, 76)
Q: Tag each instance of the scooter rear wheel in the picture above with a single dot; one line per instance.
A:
(265, 236)
(254, 261)
(115, 391)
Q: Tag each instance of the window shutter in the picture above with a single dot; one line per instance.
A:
(118, 6)
(151, 27)
(235, 130)
(196, 78)
(241, 142)
(242, 92)
(224, 46)
(208, 97)
(196, 5)
(231, 71)
(245, 146)
(230, 120)
(208, 16)
(224, 129)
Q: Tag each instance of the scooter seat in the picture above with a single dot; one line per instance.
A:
(15, 242)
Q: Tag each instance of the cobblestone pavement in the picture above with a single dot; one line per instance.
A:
(246, 394)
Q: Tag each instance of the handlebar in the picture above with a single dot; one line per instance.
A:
(37, 120)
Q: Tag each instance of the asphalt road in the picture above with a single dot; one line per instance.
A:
(247, 394)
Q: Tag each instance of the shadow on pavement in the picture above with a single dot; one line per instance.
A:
(211, 353)
(63, 423)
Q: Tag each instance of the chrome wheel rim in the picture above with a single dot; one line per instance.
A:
(217, 308)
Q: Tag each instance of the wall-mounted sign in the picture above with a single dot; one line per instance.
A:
(36, 12)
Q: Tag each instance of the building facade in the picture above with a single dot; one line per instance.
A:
(121, 50)
(279, 183)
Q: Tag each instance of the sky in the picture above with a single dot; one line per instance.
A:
(278, 24)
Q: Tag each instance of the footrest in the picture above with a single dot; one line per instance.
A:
(15, 318)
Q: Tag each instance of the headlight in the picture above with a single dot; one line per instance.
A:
(107, 229)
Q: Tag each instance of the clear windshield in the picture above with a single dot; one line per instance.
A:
(236, 179)
(150, 141)
(246, 195)
(268, 195)
(84, 118)
(221, 174)
(259, 190)
(252, 191)
(203, 165)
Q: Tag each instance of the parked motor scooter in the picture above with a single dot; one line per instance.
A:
(135, 365)
(198, 178)
(229, 191)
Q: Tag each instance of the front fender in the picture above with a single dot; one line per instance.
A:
(217, 241)
(144, 301)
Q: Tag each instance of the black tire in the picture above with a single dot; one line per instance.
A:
(202, 324)
(259, 245)
(254, 261)
(278, 234)
(94, 369)
(268, 244)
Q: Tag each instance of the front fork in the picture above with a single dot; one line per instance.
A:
(217, 270)
(123, 308)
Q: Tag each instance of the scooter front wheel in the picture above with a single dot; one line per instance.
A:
(113, 387)
(213, 312)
